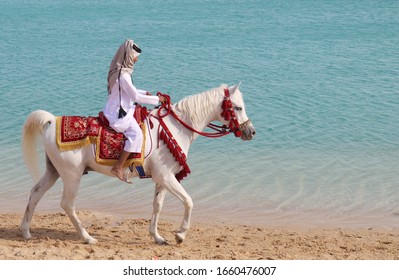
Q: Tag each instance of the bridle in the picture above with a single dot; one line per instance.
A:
(221, 130)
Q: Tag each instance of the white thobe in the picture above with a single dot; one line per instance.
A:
(128, 124)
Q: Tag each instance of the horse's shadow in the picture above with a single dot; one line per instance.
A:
(14, 234)
(47, 234)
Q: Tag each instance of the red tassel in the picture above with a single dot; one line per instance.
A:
(176, 152)
(238, 133)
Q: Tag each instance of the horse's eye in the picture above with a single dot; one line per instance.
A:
(238, 108)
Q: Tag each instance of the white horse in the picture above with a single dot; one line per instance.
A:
(197, 111)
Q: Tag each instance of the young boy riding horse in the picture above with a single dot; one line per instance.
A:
(122, 99)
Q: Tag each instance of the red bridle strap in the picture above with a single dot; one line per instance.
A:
(229, 115)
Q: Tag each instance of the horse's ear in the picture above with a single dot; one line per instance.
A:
(234, 88)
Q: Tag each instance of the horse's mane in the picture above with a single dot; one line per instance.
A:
(198, 106)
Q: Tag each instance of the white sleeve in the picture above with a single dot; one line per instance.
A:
(135, 94)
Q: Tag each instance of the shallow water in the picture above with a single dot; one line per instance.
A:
(320, 81)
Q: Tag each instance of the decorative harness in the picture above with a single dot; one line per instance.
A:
(221, 130)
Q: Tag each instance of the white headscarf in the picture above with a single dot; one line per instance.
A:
(122, 62)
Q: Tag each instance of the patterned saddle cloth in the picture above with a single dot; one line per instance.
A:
(75, 132)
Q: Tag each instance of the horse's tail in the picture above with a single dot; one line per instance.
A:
(34, 125)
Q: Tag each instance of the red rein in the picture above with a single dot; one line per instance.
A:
(166, 136)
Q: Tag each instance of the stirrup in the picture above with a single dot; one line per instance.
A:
(140, 171)
(128, 176)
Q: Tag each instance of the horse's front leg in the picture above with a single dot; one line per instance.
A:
(171, 184)
(159, 197)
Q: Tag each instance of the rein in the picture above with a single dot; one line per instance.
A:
(221, 130)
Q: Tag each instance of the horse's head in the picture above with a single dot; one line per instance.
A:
(234, 115)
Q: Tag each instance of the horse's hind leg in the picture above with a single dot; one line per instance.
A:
(71, 186)
(159, 197)
(45, 183)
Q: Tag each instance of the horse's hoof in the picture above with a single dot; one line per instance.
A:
(26, 235)
(91, 241)
(180, 237)
(161, 241)
(25, 231)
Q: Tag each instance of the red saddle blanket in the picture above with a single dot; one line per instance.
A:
(75, 132)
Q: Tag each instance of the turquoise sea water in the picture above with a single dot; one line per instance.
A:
(320, 80)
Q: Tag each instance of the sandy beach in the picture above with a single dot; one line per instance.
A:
(55, 238)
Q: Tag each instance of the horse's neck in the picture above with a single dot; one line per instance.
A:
(200, 109)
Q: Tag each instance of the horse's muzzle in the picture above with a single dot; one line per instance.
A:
(248, 130)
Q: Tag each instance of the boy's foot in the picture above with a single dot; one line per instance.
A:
(119, 173)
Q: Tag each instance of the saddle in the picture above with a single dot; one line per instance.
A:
(75, 132)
